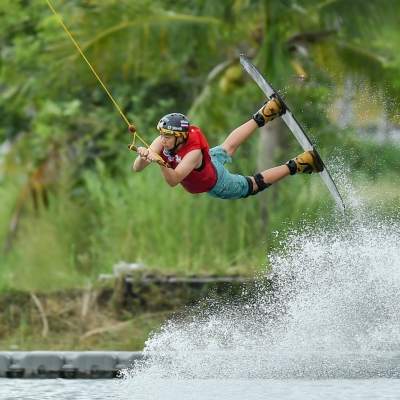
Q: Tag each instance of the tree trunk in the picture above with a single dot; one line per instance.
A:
(271, 139)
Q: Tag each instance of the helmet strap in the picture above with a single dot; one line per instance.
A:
(173, 150)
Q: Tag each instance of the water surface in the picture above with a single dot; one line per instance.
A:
(195, 389)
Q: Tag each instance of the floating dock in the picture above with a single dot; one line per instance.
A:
(65, 364)
(291, 365)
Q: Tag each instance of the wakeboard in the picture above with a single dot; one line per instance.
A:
(294, 125)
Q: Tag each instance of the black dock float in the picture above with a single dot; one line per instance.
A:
(65, 364)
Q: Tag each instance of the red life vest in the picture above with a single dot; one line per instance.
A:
(200, 180)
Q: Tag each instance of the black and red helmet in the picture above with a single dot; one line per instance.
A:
(174, 124)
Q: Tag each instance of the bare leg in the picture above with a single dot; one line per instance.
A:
(268, 112)
(275, 174)
(238, 136)
(306, 163)
(272, 175)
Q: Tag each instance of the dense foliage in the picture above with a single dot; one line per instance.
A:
(71, 207)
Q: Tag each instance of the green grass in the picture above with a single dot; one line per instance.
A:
(103, 326)
(138, 217)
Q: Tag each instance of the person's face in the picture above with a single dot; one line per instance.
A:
(168, 140)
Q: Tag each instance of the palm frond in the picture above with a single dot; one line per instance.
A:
(360, 62)
(357, 17)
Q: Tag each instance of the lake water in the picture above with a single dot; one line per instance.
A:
(202, 389)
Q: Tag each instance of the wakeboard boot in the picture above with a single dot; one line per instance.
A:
(306, 163)
(268, 112)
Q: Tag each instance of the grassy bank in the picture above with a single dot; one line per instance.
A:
(101, 317)
(78, 320)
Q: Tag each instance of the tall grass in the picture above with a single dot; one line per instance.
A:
(138, 217)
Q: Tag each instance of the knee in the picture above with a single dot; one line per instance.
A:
(258, 184)
(228, 148)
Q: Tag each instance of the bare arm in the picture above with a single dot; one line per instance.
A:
(146, 156)
(175, 176)
(191, 161)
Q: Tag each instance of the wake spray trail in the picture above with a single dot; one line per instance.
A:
(336, 302)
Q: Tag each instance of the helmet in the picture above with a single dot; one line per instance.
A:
(175, 124)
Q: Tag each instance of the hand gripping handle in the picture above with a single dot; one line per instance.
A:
(160, 162)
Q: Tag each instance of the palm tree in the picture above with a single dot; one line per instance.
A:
(187, 47)
(194, 42)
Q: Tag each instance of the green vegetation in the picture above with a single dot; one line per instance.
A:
(71, 320)
(71, 207)
(73, 240)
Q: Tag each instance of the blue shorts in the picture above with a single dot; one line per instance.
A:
(228, 186)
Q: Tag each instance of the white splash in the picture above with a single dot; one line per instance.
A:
(336, 302)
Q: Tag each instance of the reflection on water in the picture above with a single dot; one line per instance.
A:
(196, 389)
(54, 389)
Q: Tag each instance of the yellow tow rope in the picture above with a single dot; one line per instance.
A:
(130, 126)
